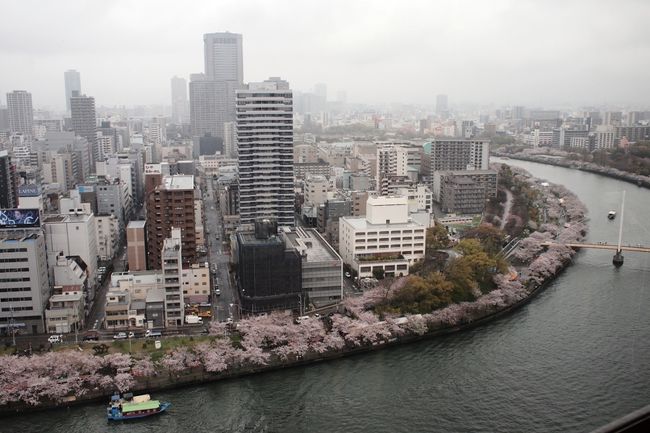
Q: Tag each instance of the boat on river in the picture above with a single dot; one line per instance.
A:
(611, 215)
(131, 407)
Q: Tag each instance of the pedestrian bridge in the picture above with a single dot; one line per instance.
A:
(602, 246)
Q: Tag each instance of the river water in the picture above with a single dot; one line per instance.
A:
(571, 360)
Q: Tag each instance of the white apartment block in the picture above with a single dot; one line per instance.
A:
(420, 197)
(172, 268)
(316, 189)
(605, 137)
(397, 159)
(24, 283)
(137, 283)
(538, 138)
(73, 234)
(107, 235)
(386, 238)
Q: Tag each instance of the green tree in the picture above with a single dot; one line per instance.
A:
(459, 274)
(378, 273)
(437, 238)
(420, 295)
(491, 238)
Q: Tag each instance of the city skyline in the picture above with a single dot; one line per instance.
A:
(507, 52)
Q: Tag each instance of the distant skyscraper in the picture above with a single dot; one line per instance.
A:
(442, 104)
(72, 80)
(320, 89)
(212, 103)
(21, 114)
(84, 123)
(8, 191)
(212, 95)
(223, 57)
(264, 131)
(179, 100)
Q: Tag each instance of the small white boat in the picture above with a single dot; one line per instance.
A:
(611, 215)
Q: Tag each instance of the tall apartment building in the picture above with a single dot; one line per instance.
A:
(21, 113)
(265, 149)
(72, 81)
(136, 246)
(84, 123)
(171, 265)
(8, 188)
(401, 159)
(171, 204)
(24, 283)
(179, 100)
(459, 154)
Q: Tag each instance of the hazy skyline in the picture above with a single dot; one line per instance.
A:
(540, 53)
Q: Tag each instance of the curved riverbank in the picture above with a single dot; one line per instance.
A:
(642, 181)
(267, 344)
(197, 376)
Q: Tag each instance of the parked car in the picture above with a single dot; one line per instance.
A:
(348, 275)
(55, 339)
(120, 336)
(217, 292)
(91, 337)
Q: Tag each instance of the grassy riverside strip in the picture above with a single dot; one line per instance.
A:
(271, 342)
(560, 159)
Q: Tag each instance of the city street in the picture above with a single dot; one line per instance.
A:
(99, 305)
(221, 304)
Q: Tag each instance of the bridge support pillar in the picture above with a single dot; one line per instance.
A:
(618, 259)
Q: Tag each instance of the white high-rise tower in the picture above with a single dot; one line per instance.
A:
(264, 131)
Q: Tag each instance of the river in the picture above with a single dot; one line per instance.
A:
(571, 360)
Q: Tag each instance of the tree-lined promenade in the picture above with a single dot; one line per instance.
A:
(441, 296)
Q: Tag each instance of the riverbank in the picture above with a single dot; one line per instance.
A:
(560, 161)
(274, 342)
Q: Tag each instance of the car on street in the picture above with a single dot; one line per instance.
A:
(217, 292)
(52, 339)
(347, 275)
(120, 336)
(91, 336)
(150, 333)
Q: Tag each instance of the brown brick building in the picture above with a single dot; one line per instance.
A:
(170, 204)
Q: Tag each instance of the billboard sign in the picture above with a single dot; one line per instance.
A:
(29, 190)
(19, 218)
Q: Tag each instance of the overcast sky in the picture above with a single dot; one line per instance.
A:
(502, 51)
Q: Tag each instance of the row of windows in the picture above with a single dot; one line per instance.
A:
(12, 270)
(14, 280)
(6, 310)
(29, 298)
(16, 260)
(392, 232)
(13, 250)
(15, 289)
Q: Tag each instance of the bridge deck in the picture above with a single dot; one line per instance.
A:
(612, 247)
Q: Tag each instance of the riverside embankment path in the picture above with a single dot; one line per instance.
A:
(573, 358)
